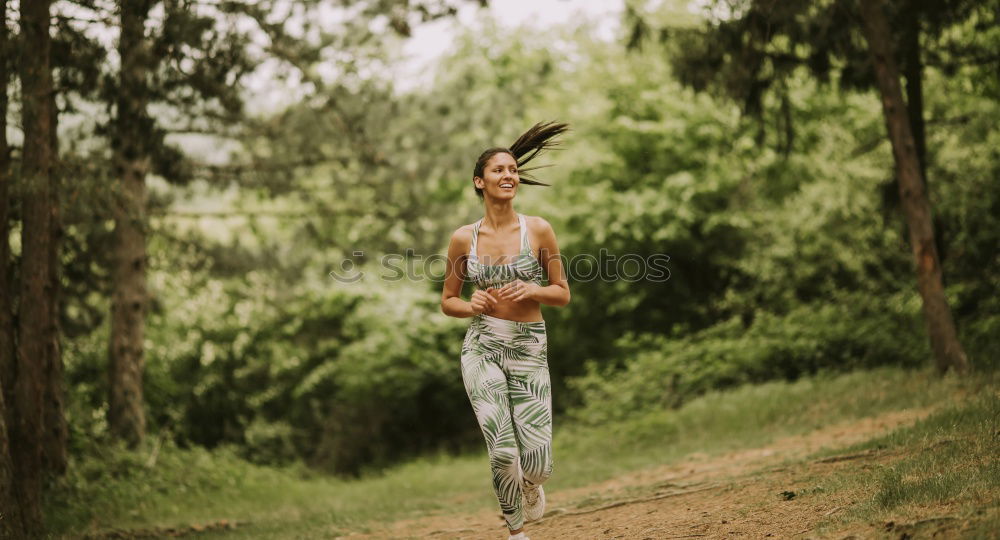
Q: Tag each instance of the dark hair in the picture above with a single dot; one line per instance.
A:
(540, 137)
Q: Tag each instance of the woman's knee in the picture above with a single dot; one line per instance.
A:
(537, 467)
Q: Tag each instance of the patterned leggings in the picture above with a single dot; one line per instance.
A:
(506, 375)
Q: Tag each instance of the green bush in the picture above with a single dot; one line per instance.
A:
(843, 334)
(339, 376)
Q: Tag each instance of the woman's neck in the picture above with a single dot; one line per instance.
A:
(500, 214)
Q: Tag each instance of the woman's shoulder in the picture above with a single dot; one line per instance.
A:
(463, 234)
(537, 224)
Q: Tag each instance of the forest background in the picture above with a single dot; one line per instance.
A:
(184, 290)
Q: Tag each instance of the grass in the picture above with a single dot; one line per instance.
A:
(948, 460)
(749, 416)
(112, 488)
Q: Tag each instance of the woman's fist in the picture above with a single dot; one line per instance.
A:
(517, 290)
(482, 302)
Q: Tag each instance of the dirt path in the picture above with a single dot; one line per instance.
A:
(749, 493)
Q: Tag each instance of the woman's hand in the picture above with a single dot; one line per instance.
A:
(518, 290)
(482, 302)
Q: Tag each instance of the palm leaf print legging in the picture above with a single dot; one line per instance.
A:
(506, 375)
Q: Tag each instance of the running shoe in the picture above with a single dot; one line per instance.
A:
(534, 502)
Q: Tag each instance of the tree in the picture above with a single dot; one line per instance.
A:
(10, 508)
(937, 315)
(35, 330)
(192, 64)
(7, 351)
(132, 163)
(751, 48)
(55, 433)
(190, 60)
(11, 525)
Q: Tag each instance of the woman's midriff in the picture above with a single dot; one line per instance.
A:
(523, 311)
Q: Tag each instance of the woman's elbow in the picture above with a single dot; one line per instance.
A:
(565, 299)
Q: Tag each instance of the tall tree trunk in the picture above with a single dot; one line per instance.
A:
(948, 352)
(34, 332)
(913, 71)
(129, 298)
(7, 351)
(11, 524)
(56, 432)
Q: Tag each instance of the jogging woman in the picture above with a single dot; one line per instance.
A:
(504, 364)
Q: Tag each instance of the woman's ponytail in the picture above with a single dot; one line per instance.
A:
(541, 136)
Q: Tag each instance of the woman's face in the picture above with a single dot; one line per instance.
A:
(500, 177)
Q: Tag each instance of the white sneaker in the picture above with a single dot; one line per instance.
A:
(518, 536)
(534, 502)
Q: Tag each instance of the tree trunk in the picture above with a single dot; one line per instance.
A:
(7, 351)
(11, 524)
(129, 298)
(913, 71)
(948, 352)
(56, 432)
(34, 332)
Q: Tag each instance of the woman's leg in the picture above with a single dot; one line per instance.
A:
(486, 386)
(531, 398)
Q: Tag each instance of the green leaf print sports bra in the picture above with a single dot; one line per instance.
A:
(524, 266)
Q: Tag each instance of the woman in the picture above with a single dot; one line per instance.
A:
(504, 363)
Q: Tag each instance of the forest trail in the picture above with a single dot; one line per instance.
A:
(747, 493)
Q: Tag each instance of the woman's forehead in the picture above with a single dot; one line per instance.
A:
(501, 158)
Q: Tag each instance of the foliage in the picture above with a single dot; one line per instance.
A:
(787, 257)
(842, 333)
(747, 229)
(343, 378)
(375, 170)
(749, 48)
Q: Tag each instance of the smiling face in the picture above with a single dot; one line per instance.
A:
(499, 179)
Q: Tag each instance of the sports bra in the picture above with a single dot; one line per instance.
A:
(524, 266)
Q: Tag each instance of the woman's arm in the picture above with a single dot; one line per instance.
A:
(451, 301)
(556, 293)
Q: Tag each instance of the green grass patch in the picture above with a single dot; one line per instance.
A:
(744, 417)
(112, 488)
(947, 463)
(117, 490)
